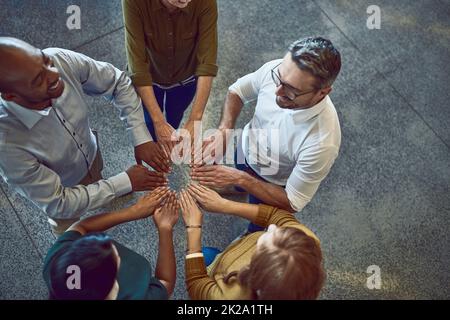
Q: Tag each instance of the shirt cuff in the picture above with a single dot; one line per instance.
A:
(264, 213)
(141, 79)
(140, 135)
(206, 69)
(121, 183)
(194, 255)
(195, 267)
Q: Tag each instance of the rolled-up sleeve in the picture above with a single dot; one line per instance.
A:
(103, 79)
(199, 285)
(248, 87)
(208, 41)
(138, 60)
(24, 173)
(311, 168)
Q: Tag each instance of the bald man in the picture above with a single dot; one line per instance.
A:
(48, 152)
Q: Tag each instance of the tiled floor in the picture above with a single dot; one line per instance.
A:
(386, 201)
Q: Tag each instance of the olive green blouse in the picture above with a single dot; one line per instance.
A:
(167, 48)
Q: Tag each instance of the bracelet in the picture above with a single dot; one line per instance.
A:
(194, 226)
(191, 252)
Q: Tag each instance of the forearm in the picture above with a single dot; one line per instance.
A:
(194, 240)
(165, 265)
(269, 193)
(149, 100)
(204, 84)
(231, 110)
(240, 209)
(105, 221)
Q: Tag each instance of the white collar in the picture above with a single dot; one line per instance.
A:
(302, 115)
(30, 117)
(27, 116)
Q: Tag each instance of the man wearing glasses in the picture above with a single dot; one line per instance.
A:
(296, 116)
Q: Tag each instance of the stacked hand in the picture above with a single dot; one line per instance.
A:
(191, 213)
(143, 179)
(153, 154)
(211, 150)
(146, 205)
(167, 137)
(166, 216)
(216, 175)
(207, 198)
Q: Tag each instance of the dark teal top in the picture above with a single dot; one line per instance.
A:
(135, 274)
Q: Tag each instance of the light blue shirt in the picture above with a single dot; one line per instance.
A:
(45, 154)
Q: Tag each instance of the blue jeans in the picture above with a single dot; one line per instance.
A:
(174, 102)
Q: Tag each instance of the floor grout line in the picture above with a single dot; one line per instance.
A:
(96, 38)
(396, 91)
(23, 224)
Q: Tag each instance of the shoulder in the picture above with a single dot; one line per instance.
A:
(268, 66)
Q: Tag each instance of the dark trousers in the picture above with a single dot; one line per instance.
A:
(251, 198)
(173, 102)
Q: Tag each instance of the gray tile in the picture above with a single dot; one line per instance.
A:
(383, 202)
(20, 263)
(43, 23)
(386, 200)
(34, 220)
(411, 50)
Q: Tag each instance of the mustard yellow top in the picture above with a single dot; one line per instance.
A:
(202, 286)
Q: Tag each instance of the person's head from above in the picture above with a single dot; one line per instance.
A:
(98, 261)
(29, 77)
(306, 74)
(286, 265)
(176, 4)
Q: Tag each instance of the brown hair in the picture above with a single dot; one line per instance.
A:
(290, 269)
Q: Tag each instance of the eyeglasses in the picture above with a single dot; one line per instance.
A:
(288, 89)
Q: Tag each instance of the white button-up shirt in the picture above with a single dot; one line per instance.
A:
(296, 147)
(45, 154)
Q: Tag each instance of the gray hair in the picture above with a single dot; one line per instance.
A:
(319, 57)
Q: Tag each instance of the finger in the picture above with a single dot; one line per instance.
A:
(166, 149)
(190, 200)
(184, 203)
(206, 179)
(207, 174)
(163, 162)
(155, 165)
(155, 178)
(163, 194)
(194, 192)
(196, 197)
(156, 173)
(208, 184)
(155, 193)
(207, 168)
(154, 185)
(138, 160)
(201, 188)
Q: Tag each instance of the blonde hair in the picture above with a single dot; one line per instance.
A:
(290, 269)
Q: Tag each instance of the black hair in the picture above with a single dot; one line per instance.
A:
(93, 256)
